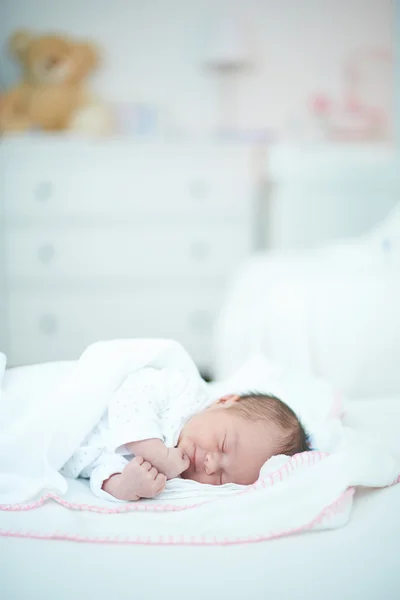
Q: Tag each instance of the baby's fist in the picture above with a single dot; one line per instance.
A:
(177, 462)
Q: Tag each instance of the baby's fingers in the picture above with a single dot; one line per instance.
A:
(153, 472)
(160, 482)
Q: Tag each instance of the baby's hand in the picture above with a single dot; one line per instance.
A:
(176, 462)
(169, 461)
(139, 479)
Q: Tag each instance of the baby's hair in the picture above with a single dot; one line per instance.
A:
(266, 407)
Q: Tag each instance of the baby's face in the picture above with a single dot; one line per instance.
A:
(224, 447)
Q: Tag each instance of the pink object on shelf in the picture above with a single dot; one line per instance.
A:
(321, 104)
(353, 105)
(376, 116)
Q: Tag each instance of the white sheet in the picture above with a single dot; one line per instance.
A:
(356, 562)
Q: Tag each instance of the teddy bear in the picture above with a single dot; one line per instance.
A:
(52, 95)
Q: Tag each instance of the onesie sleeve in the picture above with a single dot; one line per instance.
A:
(185, 397)
(135, 410)
(101, 470)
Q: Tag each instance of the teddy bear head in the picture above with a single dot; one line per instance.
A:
(52, 59)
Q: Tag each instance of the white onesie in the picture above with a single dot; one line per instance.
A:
(151, 403)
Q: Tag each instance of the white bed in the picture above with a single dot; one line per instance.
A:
(359, 560)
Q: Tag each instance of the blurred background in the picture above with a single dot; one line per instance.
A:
(224, 174)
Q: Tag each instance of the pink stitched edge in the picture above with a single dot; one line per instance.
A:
(397, 480)
(296, 461)
(328, 512)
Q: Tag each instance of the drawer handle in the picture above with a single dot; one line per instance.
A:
(43, 191)
(48, 324)
(46, 253)
(199, 250)
(198, 190)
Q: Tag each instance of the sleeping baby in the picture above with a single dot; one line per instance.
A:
(158, 426)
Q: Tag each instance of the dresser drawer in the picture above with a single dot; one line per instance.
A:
(57, 326)
(116, 196)
(79, 254)
(116, 181)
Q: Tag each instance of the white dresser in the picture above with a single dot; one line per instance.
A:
(107, 239)
(321, 192)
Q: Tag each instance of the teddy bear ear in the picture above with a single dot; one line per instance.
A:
(19, 42)
(87, 57)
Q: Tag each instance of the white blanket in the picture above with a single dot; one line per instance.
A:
(311, 490)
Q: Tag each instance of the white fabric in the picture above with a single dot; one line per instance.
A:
(359, 561)
(291, 495)
(150, 403)
(332, 312)
(35, 444)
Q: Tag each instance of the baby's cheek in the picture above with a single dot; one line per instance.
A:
(247, 473)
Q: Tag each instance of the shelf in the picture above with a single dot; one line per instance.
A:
(73, 140)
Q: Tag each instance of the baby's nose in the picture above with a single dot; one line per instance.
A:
(211, 464)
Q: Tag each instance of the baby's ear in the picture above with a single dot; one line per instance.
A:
(228, 399)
